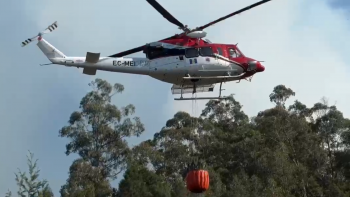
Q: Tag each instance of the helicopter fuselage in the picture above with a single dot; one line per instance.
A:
(171, 69)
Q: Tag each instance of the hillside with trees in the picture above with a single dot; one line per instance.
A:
(285, 151)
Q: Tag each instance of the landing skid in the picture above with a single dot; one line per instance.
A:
(202, 98)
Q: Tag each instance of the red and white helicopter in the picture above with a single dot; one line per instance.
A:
(185, 60)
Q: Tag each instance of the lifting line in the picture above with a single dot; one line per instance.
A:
(194, 109)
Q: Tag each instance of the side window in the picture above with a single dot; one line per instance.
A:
(220, 51)
(174, 52)
(233, 53)
(206, 51)
(192, 52)
(154, 52)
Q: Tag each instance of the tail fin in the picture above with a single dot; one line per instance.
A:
(49, 50)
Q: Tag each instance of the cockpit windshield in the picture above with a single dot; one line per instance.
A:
(234, 53)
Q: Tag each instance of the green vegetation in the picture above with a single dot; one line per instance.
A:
(285, 151)
(29, 184)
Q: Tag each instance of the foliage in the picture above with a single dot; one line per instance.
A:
(85, 181)
(141, 182)
(284, 151)
(8, 193)
(280, 94)
(29, 184)
(98, 133)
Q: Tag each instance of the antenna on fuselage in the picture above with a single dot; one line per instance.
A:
(197, 41)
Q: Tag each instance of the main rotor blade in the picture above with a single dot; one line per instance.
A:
(128, 52)
(135, 50)
(166, 14)
(232, 14)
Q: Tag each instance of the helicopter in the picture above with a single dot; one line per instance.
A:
(186, 60)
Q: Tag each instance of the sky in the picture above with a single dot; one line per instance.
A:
(304, 45)
(340, 4)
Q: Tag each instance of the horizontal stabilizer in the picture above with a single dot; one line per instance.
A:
(89, 71)
(92, 57)
(176, 89)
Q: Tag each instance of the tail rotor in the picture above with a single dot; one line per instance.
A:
(49, 29)
(29, 40)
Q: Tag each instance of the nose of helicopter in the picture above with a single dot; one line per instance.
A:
(260, 67)
(256, 66)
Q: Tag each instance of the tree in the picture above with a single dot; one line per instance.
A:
(300, 110)
(141, 182)
(98, 133)
(294, 152)
(29, 185)
(8, 193)
(280, 94)
(85, 181)
(46, 192)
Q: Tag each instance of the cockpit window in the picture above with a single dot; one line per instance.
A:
(233, 53)
(206, 51)
(219, 50)
(192, 52)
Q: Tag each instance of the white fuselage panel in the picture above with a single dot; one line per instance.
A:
(170, 69)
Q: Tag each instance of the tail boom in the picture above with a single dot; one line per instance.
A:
(122, 65)
(92, 61)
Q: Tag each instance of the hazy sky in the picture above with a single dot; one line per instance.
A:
(342, 4)
(304, 45)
